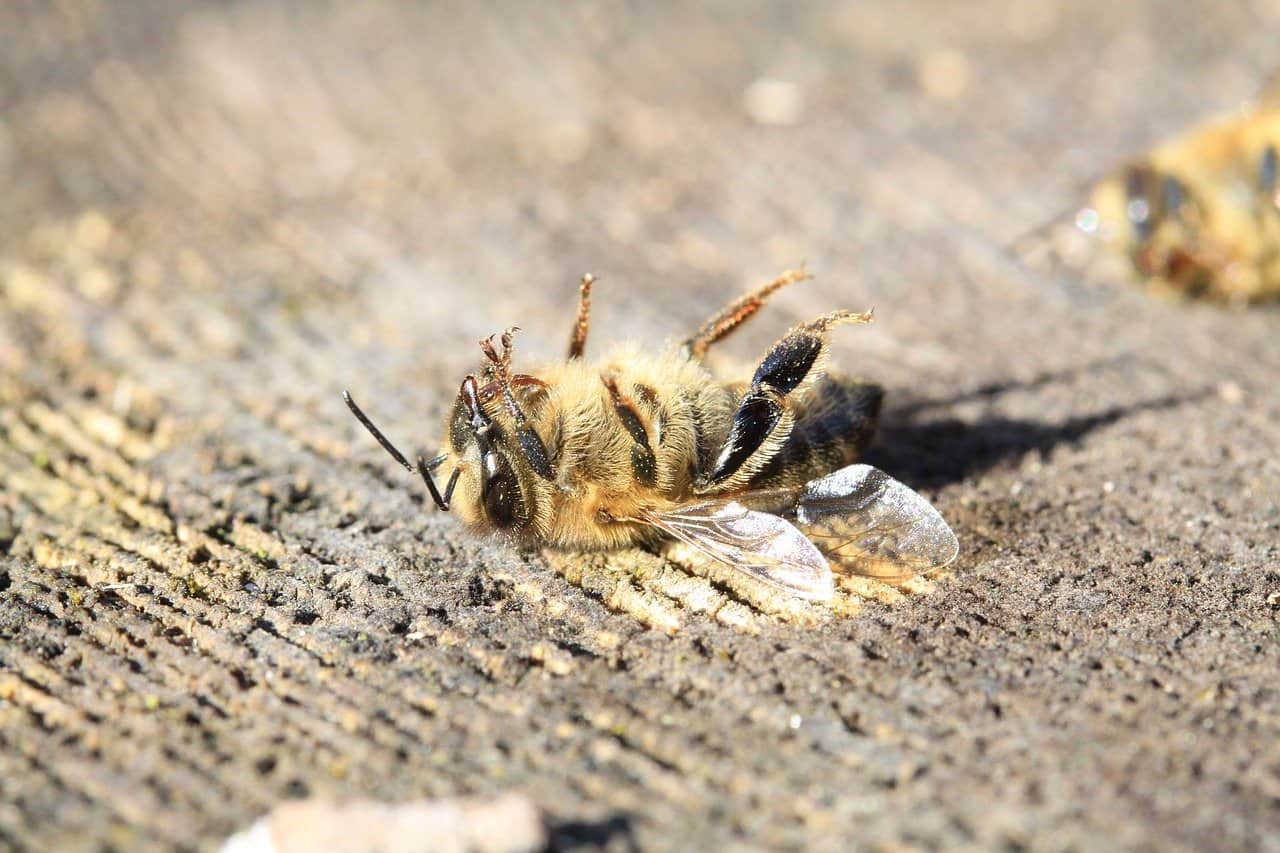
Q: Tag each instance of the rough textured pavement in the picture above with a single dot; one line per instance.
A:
(219, 593)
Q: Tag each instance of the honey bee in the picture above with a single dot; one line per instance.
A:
(1200, 214)
(641, 448)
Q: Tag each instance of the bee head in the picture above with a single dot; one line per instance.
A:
(500, 456)
(501, 469)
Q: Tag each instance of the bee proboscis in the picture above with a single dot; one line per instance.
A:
(640, 448)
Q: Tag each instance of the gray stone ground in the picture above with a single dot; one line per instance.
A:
(218, 593)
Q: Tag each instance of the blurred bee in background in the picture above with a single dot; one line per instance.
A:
(1200, 214)
(640, 448)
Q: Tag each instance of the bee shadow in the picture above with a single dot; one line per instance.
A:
(935, 452)
(613, 833)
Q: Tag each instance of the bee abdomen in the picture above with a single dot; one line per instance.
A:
(834, 424)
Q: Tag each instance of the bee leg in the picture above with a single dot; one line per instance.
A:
(737, 312)
(1267, 172)
(1138, 206)
(531, 446)
(578, 338)
(644, 464)
(1173, 197)
(764, 418)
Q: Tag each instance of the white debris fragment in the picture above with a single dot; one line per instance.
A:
(508, 824)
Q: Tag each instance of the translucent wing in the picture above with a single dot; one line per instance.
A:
(871, 525)
(761, 545)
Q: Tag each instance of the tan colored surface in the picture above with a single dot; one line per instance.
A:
(219, 593)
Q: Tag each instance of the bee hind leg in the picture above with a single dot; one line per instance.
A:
(765, 417)
(738, 312)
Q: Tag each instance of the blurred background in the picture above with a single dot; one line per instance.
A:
(352, 175)
(217, 215)
(391, 160)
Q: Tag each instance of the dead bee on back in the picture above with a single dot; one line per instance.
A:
(1200, 214)
(641, 448)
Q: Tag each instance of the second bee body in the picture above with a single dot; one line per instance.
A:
(1200, 214)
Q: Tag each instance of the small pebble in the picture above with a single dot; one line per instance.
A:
(1231, 393)
(774, 102)
(944, 74)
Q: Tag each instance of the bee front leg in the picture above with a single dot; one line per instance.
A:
(764, 418)
(531, 446)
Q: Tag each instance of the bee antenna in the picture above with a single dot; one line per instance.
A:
(424, 467)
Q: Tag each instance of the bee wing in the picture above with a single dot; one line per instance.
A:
(874, 526)
(762, 545)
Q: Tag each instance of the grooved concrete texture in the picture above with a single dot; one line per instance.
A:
(219, 593)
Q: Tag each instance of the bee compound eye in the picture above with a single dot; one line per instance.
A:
(503, 501)
(459, 428)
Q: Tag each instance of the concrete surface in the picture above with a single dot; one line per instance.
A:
(218, 593)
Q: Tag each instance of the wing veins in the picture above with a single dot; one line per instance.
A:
(803, 574)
